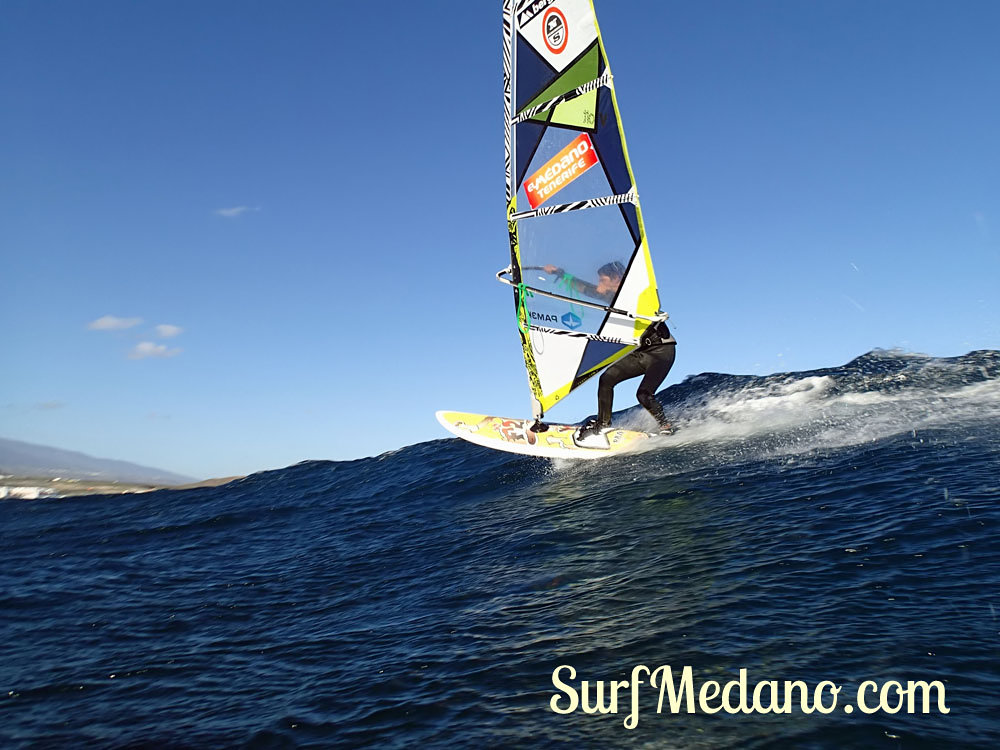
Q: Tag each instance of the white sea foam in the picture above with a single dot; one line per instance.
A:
(804, 414)
(727, 420)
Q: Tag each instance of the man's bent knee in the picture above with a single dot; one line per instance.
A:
(645, 397)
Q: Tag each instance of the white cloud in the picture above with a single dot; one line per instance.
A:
(111, 323)
(50, 405)
(146, 349)
(234, 212)
(167, 331)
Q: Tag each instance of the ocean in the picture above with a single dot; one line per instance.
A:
(832, 529)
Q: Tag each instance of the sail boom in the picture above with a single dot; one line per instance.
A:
(576, 301)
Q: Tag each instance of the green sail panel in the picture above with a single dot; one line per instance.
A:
(576, 113)
(586, 69)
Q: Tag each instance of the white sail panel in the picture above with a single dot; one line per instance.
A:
(557, 30)
(558, 358)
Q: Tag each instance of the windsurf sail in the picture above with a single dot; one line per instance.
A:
(572, 206)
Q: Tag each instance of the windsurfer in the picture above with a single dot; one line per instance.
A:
(652, 359)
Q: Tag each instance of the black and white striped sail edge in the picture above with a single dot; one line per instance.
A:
(608, 200)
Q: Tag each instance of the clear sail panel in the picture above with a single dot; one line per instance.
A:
(580, 255)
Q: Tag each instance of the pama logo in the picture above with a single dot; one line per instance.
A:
(554, 30)
(571, 321)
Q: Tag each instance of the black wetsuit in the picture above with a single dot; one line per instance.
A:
(653, 359)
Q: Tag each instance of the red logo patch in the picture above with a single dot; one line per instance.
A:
(554, 30)
(559, 171)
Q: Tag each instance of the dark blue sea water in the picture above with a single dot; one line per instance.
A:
(834, 525)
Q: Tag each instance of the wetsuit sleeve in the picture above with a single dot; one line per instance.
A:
(579, 285)
(585, 287)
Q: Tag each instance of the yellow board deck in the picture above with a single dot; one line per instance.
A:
(513, 436)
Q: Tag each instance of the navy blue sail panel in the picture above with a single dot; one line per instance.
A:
(608, 141)
(529, 135)
(596, 353)
(631, 217)
(533, 74)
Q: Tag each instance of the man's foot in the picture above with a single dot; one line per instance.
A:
(591, 429)
(663, 429)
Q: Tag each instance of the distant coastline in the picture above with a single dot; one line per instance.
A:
(13, 487)
(30, 470)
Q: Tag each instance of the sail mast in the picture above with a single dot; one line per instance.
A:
(510, 155)
(508, 62)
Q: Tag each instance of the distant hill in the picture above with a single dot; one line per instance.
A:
(29, 460)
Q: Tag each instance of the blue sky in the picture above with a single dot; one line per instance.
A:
(311, 196)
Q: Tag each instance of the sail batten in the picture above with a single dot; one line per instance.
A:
(606, 200)
(584, 286)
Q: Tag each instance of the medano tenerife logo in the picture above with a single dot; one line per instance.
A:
(554, 30)
(571, 321)
(576, 158)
